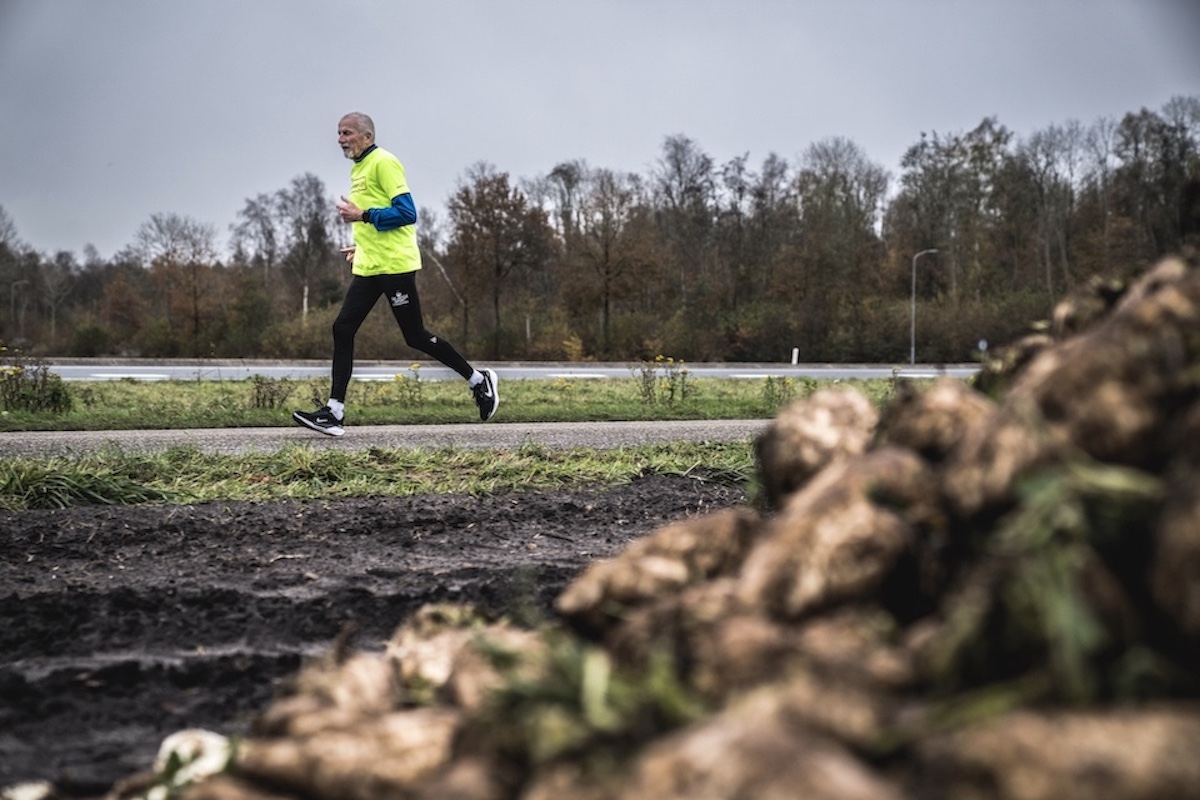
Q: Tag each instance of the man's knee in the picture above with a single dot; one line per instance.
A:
(343, 330)
(422, 340)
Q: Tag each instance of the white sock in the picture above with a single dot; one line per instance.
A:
(475, 379)
(337, 407)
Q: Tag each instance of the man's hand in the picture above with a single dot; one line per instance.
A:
(349, 253)
(349, 211)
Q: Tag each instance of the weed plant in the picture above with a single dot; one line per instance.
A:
(663, 381)
(270, 393)
(28, 385)
(778, 392)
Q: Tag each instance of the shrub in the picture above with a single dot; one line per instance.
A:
(90, 341)
(30, 385)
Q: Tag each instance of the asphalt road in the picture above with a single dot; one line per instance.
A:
(557, 435)
(101, 369)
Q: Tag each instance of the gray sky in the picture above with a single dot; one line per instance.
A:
(113, 110)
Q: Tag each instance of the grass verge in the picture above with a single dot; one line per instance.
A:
(188, 475)
(408, 400)
(662, 390)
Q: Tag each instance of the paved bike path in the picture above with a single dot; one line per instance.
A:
(558, 435)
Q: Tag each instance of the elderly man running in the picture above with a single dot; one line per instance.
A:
(385, 261)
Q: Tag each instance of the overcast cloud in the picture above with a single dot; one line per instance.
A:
(113, 110)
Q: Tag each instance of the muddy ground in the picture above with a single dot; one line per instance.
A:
(119, 626)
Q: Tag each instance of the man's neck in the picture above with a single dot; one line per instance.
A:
(364, 153)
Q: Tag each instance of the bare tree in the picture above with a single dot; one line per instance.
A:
(734, 213)
(1100, 144)
(606, 215)
(774, 216)
(8, 231)
(57, 280)
(840, 193)
(561, 193)
(1150, 180)
(950, 185)
(684, 182)
(310, 239)
(496, 234)
(260, 230)
(1053, 156)
(179, 250)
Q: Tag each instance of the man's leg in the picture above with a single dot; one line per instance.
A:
(401, 292)
(360, 298)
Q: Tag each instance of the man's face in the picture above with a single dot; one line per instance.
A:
(352, 140)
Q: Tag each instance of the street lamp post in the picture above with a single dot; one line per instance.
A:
(912, 327)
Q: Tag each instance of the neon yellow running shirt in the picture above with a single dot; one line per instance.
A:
(374, 181)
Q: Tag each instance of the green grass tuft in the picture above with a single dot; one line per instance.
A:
(188, 475)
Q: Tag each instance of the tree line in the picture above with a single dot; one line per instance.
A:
(975, 238)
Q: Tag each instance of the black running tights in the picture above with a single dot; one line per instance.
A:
(401, 293)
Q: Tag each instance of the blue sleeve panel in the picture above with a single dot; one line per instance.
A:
(401, 212)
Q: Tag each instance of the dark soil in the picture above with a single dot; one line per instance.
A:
(121, 625)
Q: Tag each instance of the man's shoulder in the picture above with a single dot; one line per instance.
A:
(383, 162)
(380, 155)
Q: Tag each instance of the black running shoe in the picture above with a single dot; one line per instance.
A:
(487, 395)
(321, 420)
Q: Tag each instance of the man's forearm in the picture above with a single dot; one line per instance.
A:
(401, 212)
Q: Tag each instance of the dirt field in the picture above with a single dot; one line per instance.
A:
(122, 625)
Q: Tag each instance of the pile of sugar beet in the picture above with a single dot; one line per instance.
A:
(985, 589)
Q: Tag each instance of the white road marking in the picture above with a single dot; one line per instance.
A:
(140, 376)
